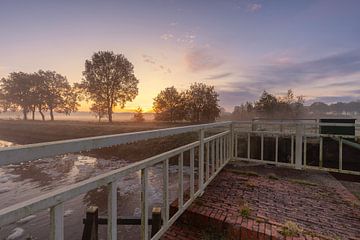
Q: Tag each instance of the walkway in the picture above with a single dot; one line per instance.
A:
(263, 202)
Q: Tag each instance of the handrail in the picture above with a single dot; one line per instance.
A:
(18, 154)
(214, 153)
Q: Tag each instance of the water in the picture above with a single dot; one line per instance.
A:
(25, 181)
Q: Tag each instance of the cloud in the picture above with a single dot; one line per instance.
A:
(332, 99)
(253, 7)
(151, 60)
(200, 59)
(336, 66)
(219, 76)
(229, 99)
(166, 36)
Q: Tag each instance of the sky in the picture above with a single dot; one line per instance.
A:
(241, 47)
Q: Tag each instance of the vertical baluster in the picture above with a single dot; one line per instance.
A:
(276, 148)
(144, 205)
(340, 153)
(201, 159)
(231, 142)
(305, 149)
(181, 181)
(236, 145)
(248, 146)
(217, 153)
(262, 147)
(207, 160)
(57, 222)
(321, 152)
(221, 151)
(192, 173)
(166, 190)
(212, 157)
(112, 211)
(292, 150)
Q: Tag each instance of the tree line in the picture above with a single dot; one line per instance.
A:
(271, 106)
(40, 91)
(108, 81)
(199, 103)
(291, 106)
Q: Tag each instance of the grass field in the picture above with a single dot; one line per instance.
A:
(25, 132)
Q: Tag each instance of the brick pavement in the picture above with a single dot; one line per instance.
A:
(316, 202)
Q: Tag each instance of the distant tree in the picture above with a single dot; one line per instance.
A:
(17, 91)
(201, 103)
(138, 115)
(99, 110)
(168, 105)
(319, 108)
(266, 105)
(109, 80)
(57, 94)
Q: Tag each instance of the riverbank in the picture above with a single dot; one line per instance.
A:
(26, 132)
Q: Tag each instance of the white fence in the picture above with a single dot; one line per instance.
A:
(301, 134)
(212, 155)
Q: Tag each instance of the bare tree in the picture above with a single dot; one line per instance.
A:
(109, 80)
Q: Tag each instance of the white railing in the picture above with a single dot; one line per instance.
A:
(299, 133)
(212, 154)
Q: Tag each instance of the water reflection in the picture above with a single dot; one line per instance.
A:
(27, 180)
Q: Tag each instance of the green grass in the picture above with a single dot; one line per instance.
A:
(273, 176)
(303, 182)
(290, 229)
(245, 211)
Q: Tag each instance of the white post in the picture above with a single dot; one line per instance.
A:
(340, 153)
(212, 157)
(181, 181)
(298, 147)
(144, 205)
(201, 159)
(232, 141)
(166, 190)
(112, 211)
(192, 172)
(207, 172)
(262, 147)
(57, 222)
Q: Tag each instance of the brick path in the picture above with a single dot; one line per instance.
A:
(318, 204)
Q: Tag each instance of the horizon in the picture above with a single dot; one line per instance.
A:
(240, 47)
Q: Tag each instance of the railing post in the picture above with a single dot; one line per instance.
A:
(156, 220)
(232, 142)
(144, 204)
(201, 159)
(57, 222)
(298, 146)
(112, 211)
(91, 224)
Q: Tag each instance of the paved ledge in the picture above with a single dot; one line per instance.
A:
(263, 202)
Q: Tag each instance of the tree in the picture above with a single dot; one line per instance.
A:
(56, 94)
(17, 90)
(138, 115)
(266, 105)
(201, 103)
(168, 105)
(99, 110)
(109, 80)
